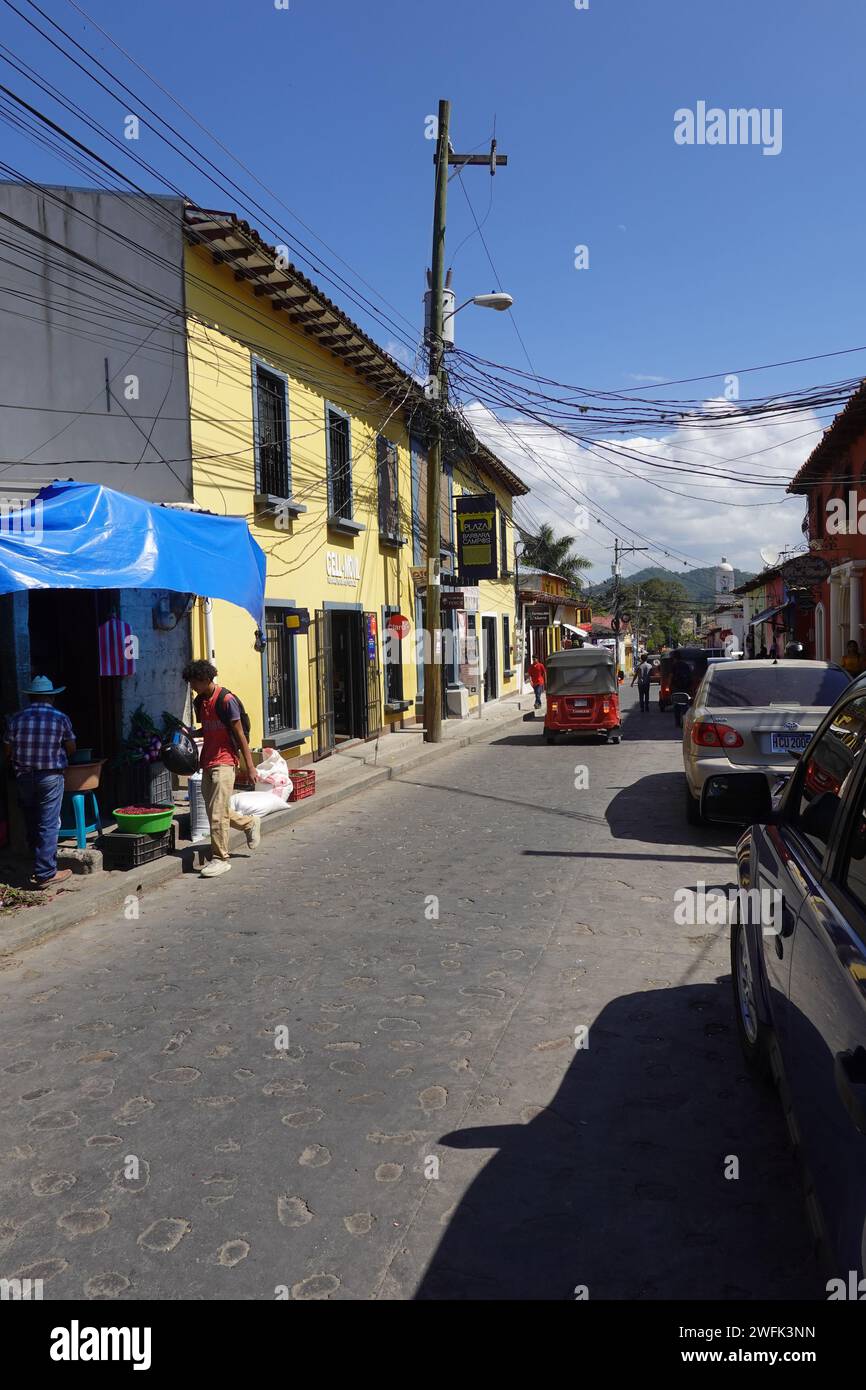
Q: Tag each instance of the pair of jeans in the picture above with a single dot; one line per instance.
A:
(217, 788)
(538, 689)
(644, 695)
(41, 795)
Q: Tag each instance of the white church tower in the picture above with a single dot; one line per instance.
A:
(724, 578)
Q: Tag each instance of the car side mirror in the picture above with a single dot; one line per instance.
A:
(739, 798)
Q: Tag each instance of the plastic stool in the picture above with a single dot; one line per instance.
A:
(82, 827)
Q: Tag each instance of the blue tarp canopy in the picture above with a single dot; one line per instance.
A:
(84, 536)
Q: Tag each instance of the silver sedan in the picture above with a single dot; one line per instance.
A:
(751, 716)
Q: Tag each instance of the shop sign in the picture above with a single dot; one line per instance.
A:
(342, 568)
(805, 570)
(539, 617)
(452, 598)
(298, 620)
(398, 625)
(476, 538)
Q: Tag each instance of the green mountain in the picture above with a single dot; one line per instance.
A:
(700, 584)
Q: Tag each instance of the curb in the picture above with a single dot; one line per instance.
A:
(62, 915)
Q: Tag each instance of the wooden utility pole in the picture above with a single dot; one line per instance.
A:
(438, 395)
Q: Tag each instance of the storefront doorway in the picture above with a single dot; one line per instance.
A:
(348, 677)
(489, 657)
(64, 644)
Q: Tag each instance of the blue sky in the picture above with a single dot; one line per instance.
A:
(702, 259)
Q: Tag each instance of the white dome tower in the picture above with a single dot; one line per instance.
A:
(724, 578)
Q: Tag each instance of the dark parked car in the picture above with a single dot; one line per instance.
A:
(696, 659)
(799, 971)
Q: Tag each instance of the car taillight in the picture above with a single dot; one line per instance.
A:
(554, 706)
(666, 690)
(706, 733)
(605, 706)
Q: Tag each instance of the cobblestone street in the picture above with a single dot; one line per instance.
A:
(430, 1130)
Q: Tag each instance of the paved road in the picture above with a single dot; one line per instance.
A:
(430, 949)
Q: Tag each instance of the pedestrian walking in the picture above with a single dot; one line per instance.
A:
(643, 676)
(852, 660)
(221, 718)
(538, 680)
(39, 741)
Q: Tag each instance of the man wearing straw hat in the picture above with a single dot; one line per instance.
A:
(39, 741)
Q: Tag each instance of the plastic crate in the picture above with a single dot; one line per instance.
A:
(149, 785)
(303, 783)
(122, 851)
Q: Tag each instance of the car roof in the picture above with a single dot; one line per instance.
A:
(759, 663)
(582, 656)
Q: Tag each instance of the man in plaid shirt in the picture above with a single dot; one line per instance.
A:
(39, 741)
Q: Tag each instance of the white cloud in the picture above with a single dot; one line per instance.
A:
(690, 525)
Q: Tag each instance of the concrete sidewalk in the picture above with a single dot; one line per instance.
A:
(346, 773)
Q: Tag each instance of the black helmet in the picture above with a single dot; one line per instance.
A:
(179, 753)
(794, 650)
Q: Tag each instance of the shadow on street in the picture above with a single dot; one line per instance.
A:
(619, 1184)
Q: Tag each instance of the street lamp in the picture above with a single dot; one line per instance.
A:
(499, 301)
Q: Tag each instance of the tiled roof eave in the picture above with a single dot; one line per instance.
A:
(234, 243)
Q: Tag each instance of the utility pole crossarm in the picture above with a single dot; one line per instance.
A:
(483, 159)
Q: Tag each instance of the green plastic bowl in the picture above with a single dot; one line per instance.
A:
(144, 825)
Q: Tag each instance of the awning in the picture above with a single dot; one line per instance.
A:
(581, 632)
(767, 614)
(85, 536)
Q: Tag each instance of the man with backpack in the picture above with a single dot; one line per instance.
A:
(224, 727)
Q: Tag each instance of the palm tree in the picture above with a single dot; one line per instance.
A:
(546, 552)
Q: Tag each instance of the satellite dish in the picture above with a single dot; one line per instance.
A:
(770, 557)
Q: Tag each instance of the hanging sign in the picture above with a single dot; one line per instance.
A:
(452, 598)
(805, 570)
(476, 538)
(297, 620)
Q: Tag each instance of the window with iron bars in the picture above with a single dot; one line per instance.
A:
(273, 471)
(339, 465)
(281, 713)
(386, 467)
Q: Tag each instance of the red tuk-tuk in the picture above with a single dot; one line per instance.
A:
(582, 694)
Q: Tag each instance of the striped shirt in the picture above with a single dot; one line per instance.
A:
(37, 735)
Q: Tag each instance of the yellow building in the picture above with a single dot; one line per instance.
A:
(551, 615)
(302, 424)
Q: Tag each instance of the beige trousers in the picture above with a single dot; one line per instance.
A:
(217, 788)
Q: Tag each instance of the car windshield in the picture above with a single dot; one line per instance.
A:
(735, 686)
(566, 680)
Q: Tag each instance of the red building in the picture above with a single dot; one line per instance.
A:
(832, 479)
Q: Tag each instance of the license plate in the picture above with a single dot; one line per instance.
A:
(783, 743)
(573, 703)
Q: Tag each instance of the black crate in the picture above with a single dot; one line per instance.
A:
(120, 851)
(149, 785)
